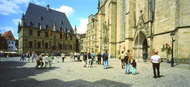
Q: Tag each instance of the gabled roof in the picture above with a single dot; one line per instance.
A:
(36, 14)
(8, 34)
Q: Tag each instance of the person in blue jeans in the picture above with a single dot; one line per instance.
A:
(127, 62)
(134, 65)
(105, 59)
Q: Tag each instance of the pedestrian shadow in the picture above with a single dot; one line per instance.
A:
(109, 67)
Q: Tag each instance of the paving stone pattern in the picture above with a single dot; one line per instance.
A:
(15, 73)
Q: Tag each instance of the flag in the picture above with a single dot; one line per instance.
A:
(49, 31)
(63, 34)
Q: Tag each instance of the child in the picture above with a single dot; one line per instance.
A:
(134, 67)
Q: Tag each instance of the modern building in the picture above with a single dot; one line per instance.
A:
(138, 25)
(10, 41)
(45, 30)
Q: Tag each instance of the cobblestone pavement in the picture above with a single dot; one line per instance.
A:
(14, 73)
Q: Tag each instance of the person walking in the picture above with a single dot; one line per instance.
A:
(105, 59)
(99, 58)
(156, 60)
(22, 56)
(85, 59)
(134, 65)
(121, 57)
(144, 55)
(63, 57)
(89, 59)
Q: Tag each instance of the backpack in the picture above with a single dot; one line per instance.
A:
(126, 59)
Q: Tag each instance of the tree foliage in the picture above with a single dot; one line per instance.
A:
(3, 43)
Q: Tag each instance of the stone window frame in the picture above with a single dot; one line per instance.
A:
(46, 45)
(30, 43)
(30, 32)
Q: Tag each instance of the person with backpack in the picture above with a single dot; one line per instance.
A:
(93, 57)
(105, 59)
(127, 60)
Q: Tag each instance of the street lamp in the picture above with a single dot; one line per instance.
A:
(172, 59)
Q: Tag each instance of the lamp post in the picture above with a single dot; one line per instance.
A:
(172, 59)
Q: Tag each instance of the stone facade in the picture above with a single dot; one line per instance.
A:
(138, 25)
(37, 37)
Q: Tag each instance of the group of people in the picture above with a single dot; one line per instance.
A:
(42, 58)
(91, 59)
(126, 62)
(47, 59)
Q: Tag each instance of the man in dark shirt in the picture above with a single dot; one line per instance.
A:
(99, 58)
(105, 59)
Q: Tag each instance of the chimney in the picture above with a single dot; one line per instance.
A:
(47, 7)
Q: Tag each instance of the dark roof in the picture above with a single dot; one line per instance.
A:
(8, 34)
(36, 15)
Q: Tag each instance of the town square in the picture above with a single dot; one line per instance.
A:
(94, 43)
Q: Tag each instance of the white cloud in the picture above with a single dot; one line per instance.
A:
(66, 9)
(40, 3)
(16, 21)
(13, 6)
(83, 25)
(13, 30)
(8, 7)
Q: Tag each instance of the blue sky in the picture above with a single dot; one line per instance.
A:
(77, 12)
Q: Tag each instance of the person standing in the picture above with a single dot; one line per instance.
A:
(144, 55)
(127, 62)
(99, 58)
(105, 59)
(111, 56)
(93, 57)
(75, 56)
(63, 57)
(78, 56)
(28, 55)
(85, 59)
(89, 59)
(58, 55)
(71, 56)
(34, 56)
(156, 60)
(121, 57)
(134, 65)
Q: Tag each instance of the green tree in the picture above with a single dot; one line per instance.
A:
(3, 43)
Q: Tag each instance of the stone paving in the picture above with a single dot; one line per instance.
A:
(14, 73)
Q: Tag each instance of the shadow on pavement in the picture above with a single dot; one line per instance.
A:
(13, 71)
(58, 83)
